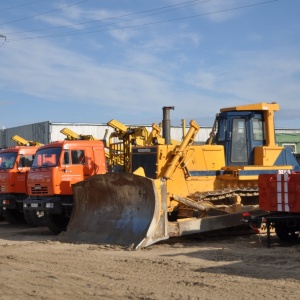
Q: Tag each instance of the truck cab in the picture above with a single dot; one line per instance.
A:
(15, 163)
(56, 167)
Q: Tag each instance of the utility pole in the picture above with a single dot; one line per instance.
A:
(3, 36)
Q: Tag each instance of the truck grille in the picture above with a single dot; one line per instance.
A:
(39, 190)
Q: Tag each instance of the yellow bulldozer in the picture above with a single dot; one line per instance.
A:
(173, 190)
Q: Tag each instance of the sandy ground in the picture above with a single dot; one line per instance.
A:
(35, 265)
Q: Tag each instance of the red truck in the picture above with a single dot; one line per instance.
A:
(279, 196)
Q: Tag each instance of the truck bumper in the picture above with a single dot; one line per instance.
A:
(8, 202)
(49, 204)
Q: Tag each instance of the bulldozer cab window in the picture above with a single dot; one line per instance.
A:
(258, 130)
(222, 129)
(239, 149)
(77, 157)
(25, 160)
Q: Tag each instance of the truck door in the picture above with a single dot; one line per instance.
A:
(72, 167)
(239, 132)
(98, 164)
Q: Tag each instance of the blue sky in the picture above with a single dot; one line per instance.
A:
(92, 61)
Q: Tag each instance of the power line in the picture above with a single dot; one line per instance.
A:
(43, 13)
(16, 6)
(194, 2)
(147, 24)
(141, 17)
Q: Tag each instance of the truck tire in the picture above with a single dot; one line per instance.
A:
(34, 218)
(285, 233)
(13, 216)
(56, 223)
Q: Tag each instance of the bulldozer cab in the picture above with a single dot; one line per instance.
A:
(242, 129)
(240, 133)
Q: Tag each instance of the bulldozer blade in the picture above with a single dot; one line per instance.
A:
(118, 209)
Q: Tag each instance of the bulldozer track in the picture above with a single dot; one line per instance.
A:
(227, 196)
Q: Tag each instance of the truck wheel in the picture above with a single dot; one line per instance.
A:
(13, 216)
(34, 218)
(286, 233)
(56, 223)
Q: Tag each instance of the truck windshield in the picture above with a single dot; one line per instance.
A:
(7, 160)
(47, 157)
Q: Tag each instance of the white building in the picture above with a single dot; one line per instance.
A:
(46, 132)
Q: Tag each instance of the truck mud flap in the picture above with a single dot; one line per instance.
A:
(118, 209)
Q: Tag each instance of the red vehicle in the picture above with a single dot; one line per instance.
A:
(55, 168)
(279, 196)
(15, 163)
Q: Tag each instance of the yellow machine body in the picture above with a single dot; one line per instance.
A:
(171, 190)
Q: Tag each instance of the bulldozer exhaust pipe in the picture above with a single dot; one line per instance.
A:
(167, 124)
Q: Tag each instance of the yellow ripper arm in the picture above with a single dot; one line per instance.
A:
(188, 139)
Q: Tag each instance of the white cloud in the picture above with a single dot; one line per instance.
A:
(53, 73)
(202, 79)
(55, 21)
(123, 35)
(88, 20)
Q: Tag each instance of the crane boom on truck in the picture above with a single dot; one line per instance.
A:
(23, 142)
(182, 189)
(71, 135)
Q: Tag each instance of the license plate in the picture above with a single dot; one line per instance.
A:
(34, 205)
